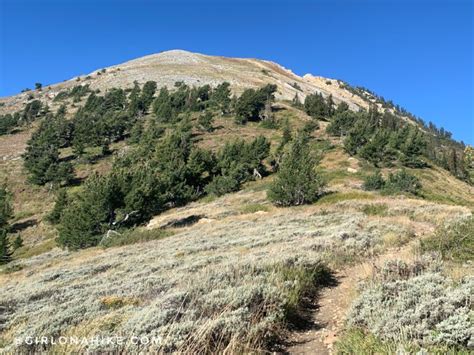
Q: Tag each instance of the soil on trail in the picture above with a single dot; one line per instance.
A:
(329, 314)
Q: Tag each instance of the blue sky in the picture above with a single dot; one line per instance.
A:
(418, 53)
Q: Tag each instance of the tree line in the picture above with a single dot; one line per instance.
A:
(384, 138)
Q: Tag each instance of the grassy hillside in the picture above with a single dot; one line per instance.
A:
(213, 272)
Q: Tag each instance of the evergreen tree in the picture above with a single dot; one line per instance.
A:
(402, 181)
(316, 107)
(41, 158)
(86, 218)
(374, 182)
(6, 209)
(162, 106)
(251, 103)
(330, 106)
(60, 204)
(6, 212)
(412, 149)
(356, 138)
(18, 242)
(5, 249)
(134, 104)
(296, 102)
(146, 97)
(453, 163)
(205, 121)
(342, 122)
(136, 132)
(220, 97)
(377, 150)
(342, 107)
(31, 111)
(297, 181)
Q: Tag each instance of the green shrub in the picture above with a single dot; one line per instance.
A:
(297, 181)
(310, 127)
(373, 182)
(402, 181)
(269, 124)
(221, 185)
(454, 241)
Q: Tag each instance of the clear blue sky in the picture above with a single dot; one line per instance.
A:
(418, 53)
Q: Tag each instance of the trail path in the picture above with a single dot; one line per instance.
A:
(327, 321)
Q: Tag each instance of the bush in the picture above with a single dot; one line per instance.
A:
(421, 306)
(402, 181)
(373, 182)
(221, 185)
(454, 241)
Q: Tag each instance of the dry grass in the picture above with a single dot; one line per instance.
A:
(200, 282)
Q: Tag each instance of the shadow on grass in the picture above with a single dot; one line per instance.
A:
(20, 226)
(183, 222)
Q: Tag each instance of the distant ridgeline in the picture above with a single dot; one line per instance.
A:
(163, 167)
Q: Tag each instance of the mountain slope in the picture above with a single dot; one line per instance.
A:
(194, 69)
(230, 273)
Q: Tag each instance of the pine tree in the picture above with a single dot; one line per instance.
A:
(60, 204)
(5, 249)
(88, 216)
(6, 210)
(220, 97)
(296, 102)
(136, 132)
(41, 158)
(252, 102)
(6, 213)
(205, 122)
(297, 181)
(18, 242)
(146, 97)
(162, 106)
(316, 106)
(342, 107)
(134, 101)
(330, 106)
(286, 135)
(374, 182)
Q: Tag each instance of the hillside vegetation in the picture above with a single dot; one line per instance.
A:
(205, 213)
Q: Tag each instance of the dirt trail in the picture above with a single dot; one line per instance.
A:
(327, 321)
